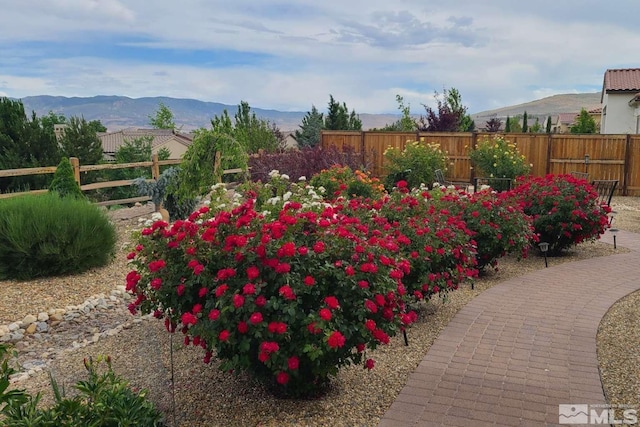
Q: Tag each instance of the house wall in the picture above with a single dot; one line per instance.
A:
(618, 116)
(176, 148)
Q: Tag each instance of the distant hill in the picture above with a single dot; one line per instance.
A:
(551, 105)
(118, 112)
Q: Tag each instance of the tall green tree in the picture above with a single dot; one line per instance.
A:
(162, 118)
(405, 123)
(507, 125)
(80, 140)
(548, 125)
(584, 123)
(24, 143)
(310, 128)
(525, 124)
(339, 118)
(493, 125)
(537, 127)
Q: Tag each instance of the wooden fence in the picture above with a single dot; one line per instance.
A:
(609, 156)
(154, 164)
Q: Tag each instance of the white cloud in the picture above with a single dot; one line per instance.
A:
(364, 53)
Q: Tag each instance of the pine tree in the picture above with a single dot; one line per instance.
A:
(310, 128)
(64, 184)
(548, 130)
(525, 126)
(80, 140)
(507, 126)
(339, 118)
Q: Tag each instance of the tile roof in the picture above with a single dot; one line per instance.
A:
(622, 79)
(111, 141)
(567, 118)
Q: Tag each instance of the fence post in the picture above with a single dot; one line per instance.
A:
(362, 151)
(547, 167)
(217, 162)
(155, 167)
(627, 162)
(75, 164)
(474, 145)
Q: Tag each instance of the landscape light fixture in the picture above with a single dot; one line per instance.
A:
(544, 248)
(612, 216)
(614, 231)
(586, 163)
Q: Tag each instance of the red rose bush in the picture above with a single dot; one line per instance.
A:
(565, 210)
(289, 299)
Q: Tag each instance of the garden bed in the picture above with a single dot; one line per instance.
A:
(206, 396)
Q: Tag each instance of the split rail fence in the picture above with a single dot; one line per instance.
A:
(154, 164)
(610, 157)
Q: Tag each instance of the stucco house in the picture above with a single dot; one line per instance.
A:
(621, 101)
(174, 141)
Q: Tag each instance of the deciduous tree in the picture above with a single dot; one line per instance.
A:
(163, 118)
(493, 125)
(584, 123)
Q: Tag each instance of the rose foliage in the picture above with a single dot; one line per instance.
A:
(289, 299)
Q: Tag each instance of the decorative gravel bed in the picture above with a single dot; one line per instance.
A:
(204, 396)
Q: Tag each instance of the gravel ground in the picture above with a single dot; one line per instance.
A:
(207, 397)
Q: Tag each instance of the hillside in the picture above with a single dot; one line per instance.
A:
(551, 105)
(117, 112)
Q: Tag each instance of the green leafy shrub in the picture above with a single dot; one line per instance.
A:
(564, 209)
(343, 181)
(103, 400)
(64, 184)
(496, 157)
(416, 164)
(46, 235)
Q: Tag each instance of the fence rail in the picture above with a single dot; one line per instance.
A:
(609, 156)
(154, 164)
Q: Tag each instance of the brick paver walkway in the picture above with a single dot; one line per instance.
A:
(521, 348)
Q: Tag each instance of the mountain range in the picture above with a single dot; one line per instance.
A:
(118, 112)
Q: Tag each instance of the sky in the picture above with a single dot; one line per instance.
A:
(289, 55)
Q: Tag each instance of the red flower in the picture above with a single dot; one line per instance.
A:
(283, 268)
(325, 314)
(220, 290)
(156, 265)
(197, 309)
(261, 301)
(249, 289)
(360, 347)
(370, 324)
(188, 319)
(371, 306)
(303, 250)
(318, 247)
(332, 302)
(238, 301)
(224, 335)
(263, 357)
(156, 283)
(309, 281)
(336, 339)
(293, 362)
(313, 329)
(380, 300)
(381, 336)
(363, 284)
(277, 327)
(214, 314)
(269, 347)
(253, 272)
(282, 378)
(202, 292)
(198, 269)
(287, 250)
(286, 292)
(369, 364)
(226, 273)
(243, 328)
(255, 318)
(131, 255)
(350, 270)
(180, 289)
